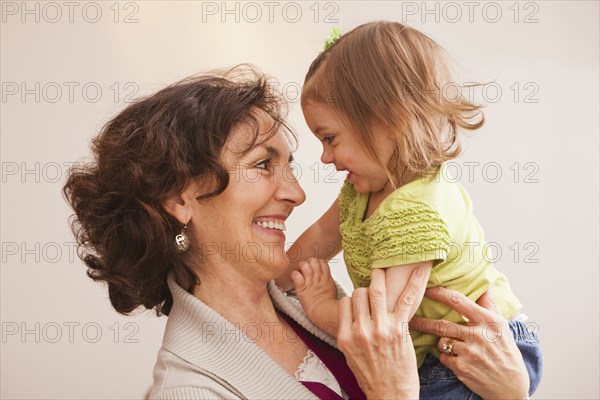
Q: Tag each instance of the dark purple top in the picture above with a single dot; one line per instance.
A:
(334, 360)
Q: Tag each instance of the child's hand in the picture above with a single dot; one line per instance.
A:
(316, 290)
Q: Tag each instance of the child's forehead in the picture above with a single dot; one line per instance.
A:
(321, 114)
(320, 109)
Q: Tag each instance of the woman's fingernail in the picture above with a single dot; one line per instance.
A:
(419, 271)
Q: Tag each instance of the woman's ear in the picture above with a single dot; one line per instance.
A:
(181, 205)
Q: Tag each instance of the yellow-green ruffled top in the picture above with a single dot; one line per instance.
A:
(429, 219)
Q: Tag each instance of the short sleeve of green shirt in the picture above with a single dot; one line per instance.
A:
(407, 232)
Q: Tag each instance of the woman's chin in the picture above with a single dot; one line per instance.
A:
(267, 255)
(279, 266)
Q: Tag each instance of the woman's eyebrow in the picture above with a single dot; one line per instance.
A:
(275, 153)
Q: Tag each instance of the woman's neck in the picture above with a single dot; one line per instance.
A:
(248, 306)
(237, 299)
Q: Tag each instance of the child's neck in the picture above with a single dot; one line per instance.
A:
(408, 179)
(376, 198)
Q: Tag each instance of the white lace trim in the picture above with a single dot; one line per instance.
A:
(312, 369)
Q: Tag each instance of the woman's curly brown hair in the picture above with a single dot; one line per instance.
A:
(149, 151)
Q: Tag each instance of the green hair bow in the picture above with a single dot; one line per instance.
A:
(333, 37)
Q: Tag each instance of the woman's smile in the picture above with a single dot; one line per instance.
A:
(270, 225)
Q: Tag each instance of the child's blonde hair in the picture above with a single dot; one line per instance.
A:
(390, 74)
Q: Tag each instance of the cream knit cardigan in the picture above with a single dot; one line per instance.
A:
(204, 356)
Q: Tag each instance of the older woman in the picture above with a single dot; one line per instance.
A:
(183, 211)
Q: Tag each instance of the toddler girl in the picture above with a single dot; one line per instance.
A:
(377, 98)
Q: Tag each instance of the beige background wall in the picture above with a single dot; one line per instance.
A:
(67, 67)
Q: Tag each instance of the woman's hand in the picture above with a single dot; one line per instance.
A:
(484, 355)
(376, 343)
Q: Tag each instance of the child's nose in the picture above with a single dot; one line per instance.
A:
(327, 157)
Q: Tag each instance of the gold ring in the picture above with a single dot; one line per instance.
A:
(448, 347)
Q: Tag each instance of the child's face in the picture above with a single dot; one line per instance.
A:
(342, 149)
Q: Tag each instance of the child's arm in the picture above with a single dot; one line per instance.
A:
(317, 293)
(396, 279)
(321, 240)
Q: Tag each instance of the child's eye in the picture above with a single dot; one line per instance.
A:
(327, 139)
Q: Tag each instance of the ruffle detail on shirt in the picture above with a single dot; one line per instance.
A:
(345, 199)
(411, 231)
(404, 233)
(360, 277)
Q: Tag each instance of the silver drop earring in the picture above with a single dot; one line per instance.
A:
(182, 240)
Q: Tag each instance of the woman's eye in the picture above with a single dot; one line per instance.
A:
(265, 164)
(327, 139)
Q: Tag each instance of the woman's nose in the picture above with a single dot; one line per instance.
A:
(290, 190)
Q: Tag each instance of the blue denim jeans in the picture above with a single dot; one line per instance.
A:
(439, 382)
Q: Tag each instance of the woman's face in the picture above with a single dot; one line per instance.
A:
(245, 224)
